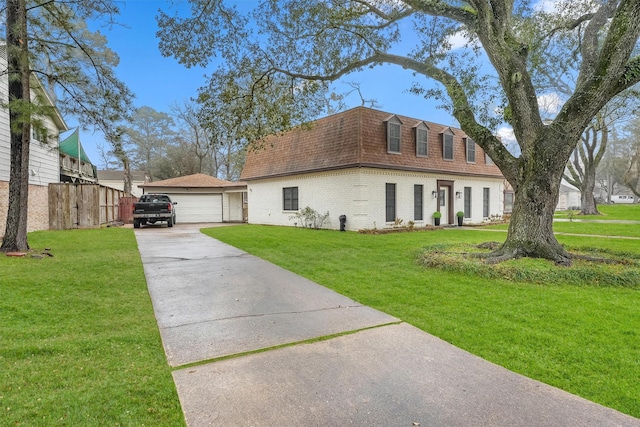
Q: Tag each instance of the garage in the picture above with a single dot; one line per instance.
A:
(197, 207)
(202, 198)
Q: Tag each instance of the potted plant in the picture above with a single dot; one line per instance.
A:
(460, 216)
(436, 217)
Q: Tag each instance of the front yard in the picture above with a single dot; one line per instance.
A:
(79, 344)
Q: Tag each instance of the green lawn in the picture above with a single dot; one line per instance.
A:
(576, 227)
(79, 344)
(583, 339)
(609, 212)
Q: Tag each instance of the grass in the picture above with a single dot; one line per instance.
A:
(612, 213)
(611, 229)
(609, 212)
(79, 344)
(582, 338)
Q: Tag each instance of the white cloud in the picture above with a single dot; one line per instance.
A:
(546, 6)
(458, 40)
(549, 104)
(506, 135)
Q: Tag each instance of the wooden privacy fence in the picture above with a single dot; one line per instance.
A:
(83, 206)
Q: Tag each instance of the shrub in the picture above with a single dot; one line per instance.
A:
(310, 218)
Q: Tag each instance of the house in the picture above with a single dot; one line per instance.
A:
(44, 163)
(568, 198)
(115, 179)
(203, 198)
(75, 165)
(376, 168)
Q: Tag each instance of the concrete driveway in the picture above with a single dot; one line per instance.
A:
(241, 334)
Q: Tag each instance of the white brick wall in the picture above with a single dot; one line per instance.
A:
(360, 195)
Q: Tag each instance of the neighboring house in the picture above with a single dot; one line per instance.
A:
(375, 168)
(203, 198)
(568, 198)
(44, 166)
(509, 197)
(115, 179)
(75, 165)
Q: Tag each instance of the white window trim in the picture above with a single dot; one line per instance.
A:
(470, 143)
(395, 121)
(444, 157)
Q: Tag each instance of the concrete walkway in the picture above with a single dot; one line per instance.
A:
(212, 300)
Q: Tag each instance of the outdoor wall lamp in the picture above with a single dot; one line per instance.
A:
(434, 193)
(458, 194)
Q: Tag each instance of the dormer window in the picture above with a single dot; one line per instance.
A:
(422, 140)
(447, 145)
(394, 127)
(471, 150)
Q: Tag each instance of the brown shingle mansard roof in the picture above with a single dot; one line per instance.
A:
(357, 138)
(198, 180)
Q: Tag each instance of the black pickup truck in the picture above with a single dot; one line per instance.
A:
(152, 208)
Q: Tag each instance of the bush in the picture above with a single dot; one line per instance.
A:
(310, 218)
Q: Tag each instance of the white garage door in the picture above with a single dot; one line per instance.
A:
(198, 207)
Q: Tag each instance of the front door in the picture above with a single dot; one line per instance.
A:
(444, 205)
(445, 201)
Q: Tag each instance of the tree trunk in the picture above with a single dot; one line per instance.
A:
(127, 176)
(587, 201)
(531, 225)
(15, 238)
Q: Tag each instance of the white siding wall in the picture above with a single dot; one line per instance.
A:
(360, 195)
(44, 166)
(44, 159)
(5, 143)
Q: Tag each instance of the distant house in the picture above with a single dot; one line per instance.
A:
(75, 165)
(203, 198)
(44, 163)
(568, 198)
(374, 167)
(115, 179)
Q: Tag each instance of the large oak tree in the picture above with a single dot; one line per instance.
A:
(321, 41)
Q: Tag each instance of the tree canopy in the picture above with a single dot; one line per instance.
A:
(306, 44)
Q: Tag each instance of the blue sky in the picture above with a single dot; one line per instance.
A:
(160, 82)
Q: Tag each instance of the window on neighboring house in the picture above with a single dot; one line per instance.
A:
(467, 202)
(422, 138)
(39, 134)
(390, 202)
(418, 193)
(487, 159)
(447, 145)
(290, 198)
(485, 202)
(508, 202)
(471, 150)
(394, 127)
